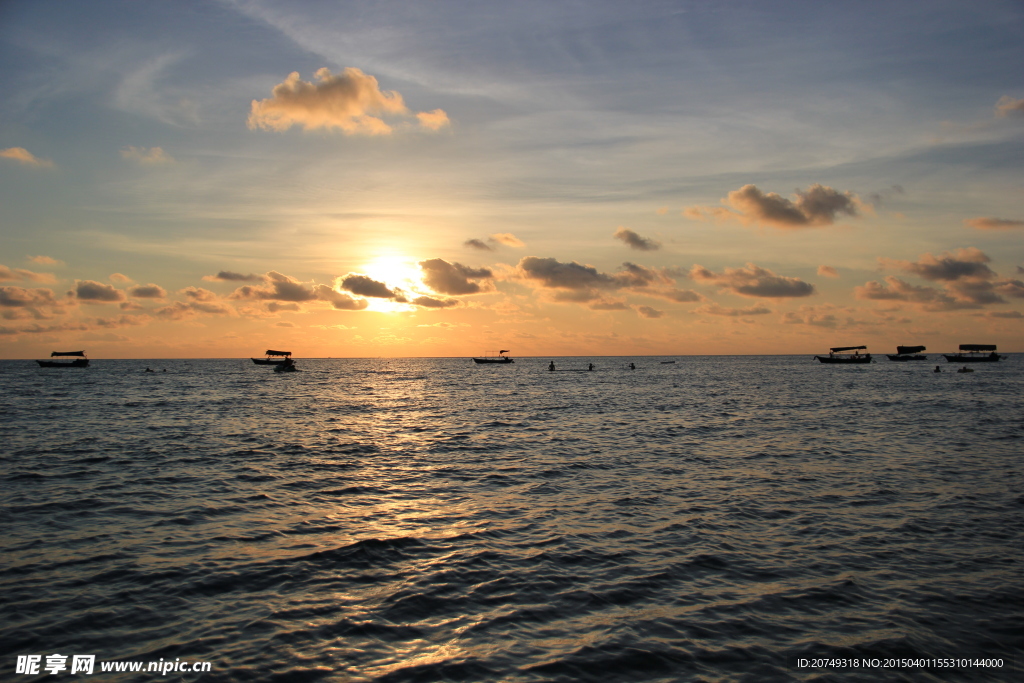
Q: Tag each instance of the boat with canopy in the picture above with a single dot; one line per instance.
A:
(908, 353)
(80, 361)
(273, 358)
(974, 353)
(500, 358)
(842, 354)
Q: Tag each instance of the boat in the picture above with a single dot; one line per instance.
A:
(974, 353)
(288, 365)
(500, 358)
(273, 358)
(841, 354)
(908, 353)
(80, 360)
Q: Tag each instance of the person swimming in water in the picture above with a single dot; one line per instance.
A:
(551, 367)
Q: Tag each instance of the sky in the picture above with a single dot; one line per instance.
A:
(350, 179)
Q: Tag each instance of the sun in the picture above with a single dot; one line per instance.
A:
(397, 272)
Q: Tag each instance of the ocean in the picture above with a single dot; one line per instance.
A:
(749, 518)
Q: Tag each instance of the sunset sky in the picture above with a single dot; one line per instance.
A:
(212, 179)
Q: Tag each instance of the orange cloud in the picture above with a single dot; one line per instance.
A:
(993, 223)
(1008, 106)
(828, 271)
(15, 274)
(22, 155)
(351, 102)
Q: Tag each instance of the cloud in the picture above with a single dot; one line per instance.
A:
(1013, 288)
(609, 306)
(228, 276)
(648, 312)
(454, 278)
(45, 261)
(754, 281)
(684, 296)
(366, 286)
(809, 315)
(431, 302)
(552, 273)
(153, 156)
(351, 102)
(477, 244)
(50, 329)
(22, 155)
(966, 263)
(180, 310)
(275, 307)
(97, 292)
(828, 271)
(122, 321)
(715, 309)
(118, 277)
(507, 239)
(433, 120)
(1008, 106)
(635, 241)
(149, 291)
(198, 294)
(1010, 315)
(280, 288)
(585, 284)
(20, 297)
(18, 274)
(339, 300)
(895, 289)
(818, 205)
(993, 223)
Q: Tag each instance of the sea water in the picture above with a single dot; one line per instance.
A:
(694, 518)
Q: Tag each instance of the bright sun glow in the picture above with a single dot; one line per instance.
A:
(397, 272)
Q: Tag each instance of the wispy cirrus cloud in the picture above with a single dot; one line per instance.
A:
(20, 274)
(994, 223)
(715, 309)
(818, 205)
(45, 260)
(151, 156)
(1009, 106)
(351, 102)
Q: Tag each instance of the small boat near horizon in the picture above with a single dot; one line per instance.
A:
(908, 353)
(80, 361)
(974, 353)
(841, 354)
(501, 358)
(273, 358)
